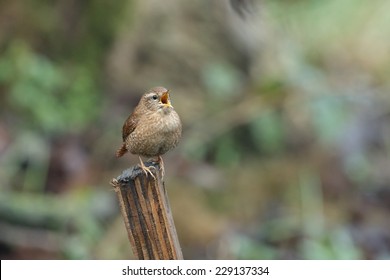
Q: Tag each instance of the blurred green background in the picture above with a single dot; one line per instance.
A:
(286, 113)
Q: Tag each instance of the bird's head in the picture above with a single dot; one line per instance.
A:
(157, 98)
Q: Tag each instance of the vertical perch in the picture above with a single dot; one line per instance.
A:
(147, 214)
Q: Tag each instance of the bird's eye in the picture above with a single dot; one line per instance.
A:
(155, 97)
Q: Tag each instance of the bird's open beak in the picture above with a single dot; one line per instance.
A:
(165, 99)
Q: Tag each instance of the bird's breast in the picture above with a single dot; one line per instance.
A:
(169, 121)
(155, 133)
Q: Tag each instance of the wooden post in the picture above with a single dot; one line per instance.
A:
(147, 214)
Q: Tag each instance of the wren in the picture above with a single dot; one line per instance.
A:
(152, 129)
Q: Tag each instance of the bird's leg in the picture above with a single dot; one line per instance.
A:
(145, 169)
(161, 163)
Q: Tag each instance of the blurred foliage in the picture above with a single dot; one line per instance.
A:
(286, 113)
(51, 99)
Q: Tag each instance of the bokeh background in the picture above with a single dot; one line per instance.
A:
(286, 113)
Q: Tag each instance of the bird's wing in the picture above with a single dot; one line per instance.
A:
(129, 125)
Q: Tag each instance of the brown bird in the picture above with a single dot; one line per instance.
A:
(152, 129)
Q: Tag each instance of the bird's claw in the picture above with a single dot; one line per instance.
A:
(147, 170)
(161, 164)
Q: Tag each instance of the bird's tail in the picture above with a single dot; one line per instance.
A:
(121, 151)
